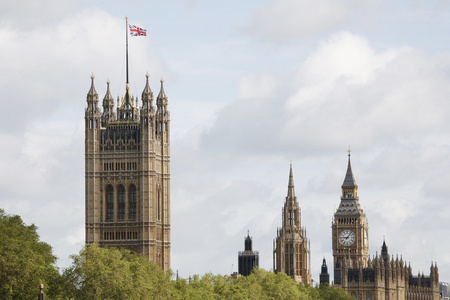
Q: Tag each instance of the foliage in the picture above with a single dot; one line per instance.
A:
(111, 273)
(328, 292)
(25, 262)
(261, 284)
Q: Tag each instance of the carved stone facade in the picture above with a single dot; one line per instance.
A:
(379, 278)
(291, 254)
(128, 173)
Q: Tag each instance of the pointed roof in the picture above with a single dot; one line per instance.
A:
(248, 242)
(349, 181)
(92, 91)
(162, 94)
(108, 95)
(291, 192)
(147, 90)
(349, 205)
(384, 248)
(384, 251)
(324, 266)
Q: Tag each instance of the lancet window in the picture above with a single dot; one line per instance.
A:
(121, 202)
(132, 202)
(109, 203)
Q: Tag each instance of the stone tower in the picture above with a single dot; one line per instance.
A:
(247, 259)
(291, 254)
(350, 230)
(324, 277)
(127, 155)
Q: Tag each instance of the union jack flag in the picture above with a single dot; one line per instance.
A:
(137, 31)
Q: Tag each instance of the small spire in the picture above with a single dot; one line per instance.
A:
(384, 251)
(147, 90)
(291, 191)
(92, 90)
(162, 94)
(108, 100)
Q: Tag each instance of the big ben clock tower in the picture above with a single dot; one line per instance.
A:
(350, 230)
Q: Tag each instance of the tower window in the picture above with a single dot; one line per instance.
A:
(109, 203)
(121, 202)
(132, 203)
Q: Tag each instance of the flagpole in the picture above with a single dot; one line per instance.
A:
(126, 34)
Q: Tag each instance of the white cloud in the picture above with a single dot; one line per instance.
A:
(287, 19)
(389, 105)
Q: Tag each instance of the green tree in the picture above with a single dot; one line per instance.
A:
(25, 262)
(111, 273)
(327, 292)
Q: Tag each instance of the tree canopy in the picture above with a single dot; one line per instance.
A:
(25, 261)
(111, 273)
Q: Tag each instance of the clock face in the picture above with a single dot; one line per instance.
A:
(347, 237)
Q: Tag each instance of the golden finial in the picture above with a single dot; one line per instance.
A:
(107, 81)
(92, 76)
(147, 75)
(162, 79)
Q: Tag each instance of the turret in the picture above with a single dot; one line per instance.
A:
(108, 106)
(147, 109)
(92, 113)
(147, 98)
(162, 114)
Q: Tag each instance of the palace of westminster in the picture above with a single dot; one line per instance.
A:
(127, 173)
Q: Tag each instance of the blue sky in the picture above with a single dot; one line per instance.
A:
(252, 86)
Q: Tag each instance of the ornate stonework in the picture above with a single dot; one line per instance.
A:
(128, 173)
(381, 278)
(291, 254)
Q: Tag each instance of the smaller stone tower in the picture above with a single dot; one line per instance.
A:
(291, 254)
(324, 275)
(248, 259)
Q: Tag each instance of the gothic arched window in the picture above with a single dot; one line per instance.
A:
(109, 203)
(121, 202)
(132, 202)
